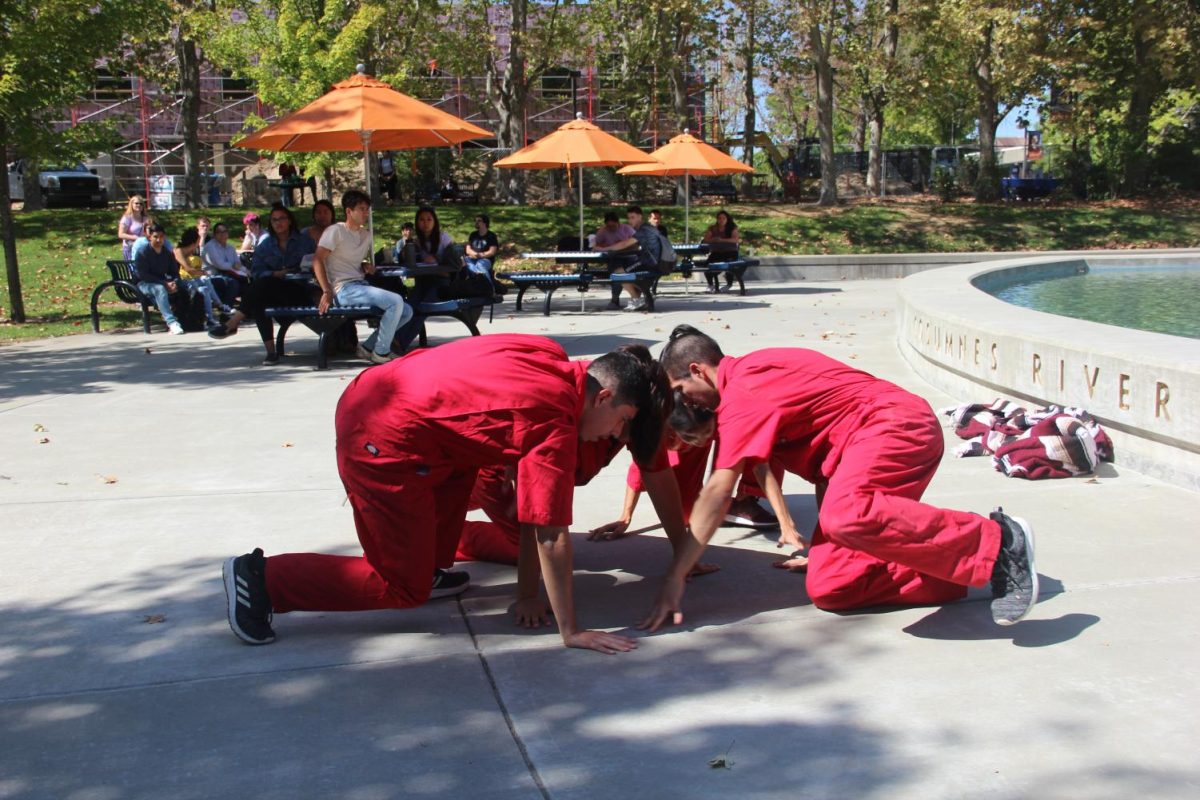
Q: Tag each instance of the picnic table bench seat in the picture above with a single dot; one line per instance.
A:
(549, 282)
(124, 283)
(465, 309)
(736, 269)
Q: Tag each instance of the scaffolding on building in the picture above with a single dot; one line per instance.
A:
(148, 159)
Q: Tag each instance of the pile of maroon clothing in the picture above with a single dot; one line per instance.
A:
(1051, 442)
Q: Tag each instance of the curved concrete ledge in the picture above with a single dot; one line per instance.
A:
(1143, 387)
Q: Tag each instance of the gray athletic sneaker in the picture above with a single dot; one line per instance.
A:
(1014, 578)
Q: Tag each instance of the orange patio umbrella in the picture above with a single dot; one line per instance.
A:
(576, 144)
(686, 155)
(361, 113)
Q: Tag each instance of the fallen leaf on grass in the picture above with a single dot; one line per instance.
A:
(107, 478)
(150, 619)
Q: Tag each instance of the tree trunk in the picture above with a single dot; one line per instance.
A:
(751, 126)
(858, 133)
(327, 182)
(878, 103)
(507, 92)
(1134, 156)
(16, 305)
(824, 69)
(987, 183)
(679, 103)
(189, 111)
(875, 174)
(31, 185)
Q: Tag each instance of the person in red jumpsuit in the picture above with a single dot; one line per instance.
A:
(672, 479)
(871, 448)
(411, 436)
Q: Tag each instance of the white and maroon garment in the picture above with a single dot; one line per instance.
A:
(1050, 442)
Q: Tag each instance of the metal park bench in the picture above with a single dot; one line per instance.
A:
(124, 283)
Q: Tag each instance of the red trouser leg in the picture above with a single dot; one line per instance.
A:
(497, 541)
(408, 516)
(876, 544)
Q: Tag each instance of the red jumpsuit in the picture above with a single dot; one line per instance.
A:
(877, 447)
(688, 463)
(499, 540)
(411, 436)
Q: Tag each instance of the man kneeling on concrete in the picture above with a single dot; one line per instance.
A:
(870, 448)
(341, 264)
(412, 436)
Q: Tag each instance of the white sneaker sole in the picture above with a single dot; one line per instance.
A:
(438, 594)
(1027, 532)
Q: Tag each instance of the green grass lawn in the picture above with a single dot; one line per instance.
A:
(62, 252)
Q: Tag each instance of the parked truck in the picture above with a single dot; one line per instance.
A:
(71, 185)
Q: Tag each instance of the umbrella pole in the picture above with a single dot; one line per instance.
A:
(687, 222)
(687, 208)
(366, 140)
(583, 294)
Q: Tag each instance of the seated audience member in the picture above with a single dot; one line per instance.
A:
(614, 237)
(406, 237)
(649, 254)
(158, 274)
(254, 233)
(341, 264)
(197, 282)
(224, 266)
(482, 247)
(132, 225)
(204, 228)
(322, 217)
(279, 254)
(656, 219)
(722, 238)
(433, 246)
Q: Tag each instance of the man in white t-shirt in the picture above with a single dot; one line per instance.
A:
(339, 267)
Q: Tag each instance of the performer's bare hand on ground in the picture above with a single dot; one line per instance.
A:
(667, 608)
(617, 529)
(600, 641)
(796, 563)
(788, 535)
(532, 612)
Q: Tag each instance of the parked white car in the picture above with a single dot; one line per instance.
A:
(73, 185)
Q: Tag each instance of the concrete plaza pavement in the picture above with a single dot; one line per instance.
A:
(133, 465)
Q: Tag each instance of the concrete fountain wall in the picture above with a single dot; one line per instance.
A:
(1143, 387)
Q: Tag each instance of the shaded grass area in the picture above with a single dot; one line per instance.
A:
(62, 252)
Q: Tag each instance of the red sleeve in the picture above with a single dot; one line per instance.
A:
(745, 431)
(633, 478)
(546, 476)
